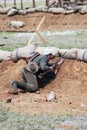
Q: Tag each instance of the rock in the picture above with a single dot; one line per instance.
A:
(2, 44)
(9, 100)
(51, 96)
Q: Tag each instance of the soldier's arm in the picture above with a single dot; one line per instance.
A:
(44, 65)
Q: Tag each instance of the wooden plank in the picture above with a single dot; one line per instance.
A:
(42, 38)
(38, 27)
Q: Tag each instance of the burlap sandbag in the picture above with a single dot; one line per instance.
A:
(21, 12)
(40, 49)
(56, 10)
(68, 11)
(30, 10)
(67, 53)
(83, 10)
(5, 55)
(12, 12)
(41, 8)
(53, 50)
(22, 52)
(4, 10)
(17, 24)
(79, 7)
(75, 51)
(82, 55)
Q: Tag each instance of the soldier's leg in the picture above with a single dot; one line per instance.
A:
(31, 79)
(16, 84)
(23, 86)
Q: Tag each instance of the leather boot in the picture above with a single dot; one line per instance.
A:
(14, 87)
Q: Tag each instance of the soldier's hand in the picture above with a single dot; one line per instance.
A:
(61, 62)
(52, 68)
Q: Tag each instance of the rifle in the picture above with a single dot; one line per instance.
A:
(53, 66)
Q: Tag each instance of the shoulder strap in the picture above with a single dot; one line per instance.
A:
(30, 59)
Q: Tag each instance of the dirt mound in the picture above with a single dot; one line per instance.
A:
(70, 86)
(52, 21)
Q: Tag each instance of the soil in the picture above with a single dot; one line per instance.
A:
(52, 22)
(70, 84)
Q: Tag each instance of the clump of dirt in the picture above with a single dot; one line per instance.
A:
(70, 86)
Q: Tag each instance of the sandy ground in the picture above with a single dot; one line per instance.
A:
(52, 22)
(70, 84)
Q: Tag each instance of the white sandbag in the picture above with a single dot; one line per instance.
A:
(83, 10)
(17, 24)
(79, 7)
(40, 49)
(82, 55)
(21, 12)
(75, 51)
(53, 50)
(22, 52)
(30, 10)
(4, 10)
(5, 55)
(68, 11)
(56, 10)
(67, 53)
(12, 12)
(41, 8)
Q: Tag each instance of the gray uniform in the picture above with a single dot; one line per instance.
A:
(30, 79)
(43, 62)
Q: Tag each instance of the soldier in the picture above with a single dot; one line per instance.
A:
(37, 67)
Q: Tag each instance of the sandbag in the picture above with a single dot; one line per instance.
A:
(41, 8)
(21, 12)
(22, 52)
(56, 10)
(40, 49)
(17, 24)
(69, 11)
(75, 51)
(79, 7)
(30, 10)
(12, 12)
(53, 50)
(68, 53)
(4, 10)
(82, 55)
(5, 55)
(83, 10)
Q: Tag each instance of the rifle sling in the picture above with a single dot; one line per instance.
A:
(30, 59)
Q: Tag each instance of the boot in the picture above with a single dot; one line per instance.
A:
(14, 87)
